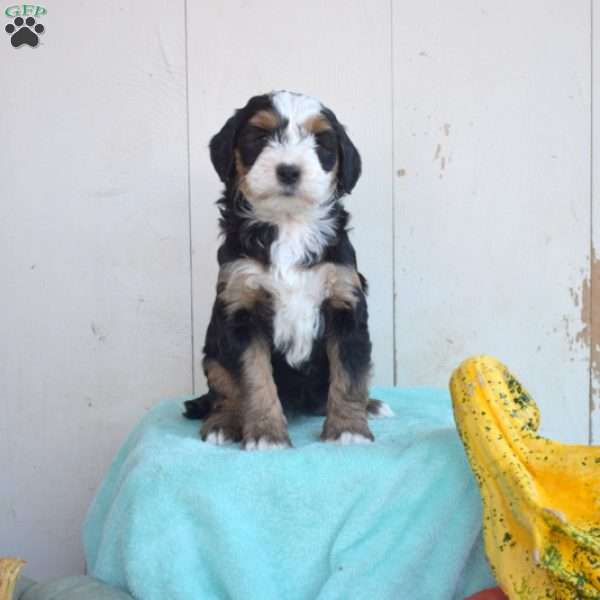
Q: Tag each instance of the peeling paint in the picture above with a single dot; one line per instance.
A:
(577, 330)
(582, 299)
(571, 339)
(584, 335)
(594, 316)
(575, 296)
(588, 336)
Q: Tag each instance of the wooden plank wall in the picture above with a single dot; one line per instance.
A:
(95, 298)
(474, 221)
(492, 131)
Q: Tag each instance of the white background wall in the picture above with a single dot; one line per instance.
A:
(474, 219)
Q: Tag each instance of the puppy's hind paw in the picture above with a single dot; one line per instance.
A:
(378, 409)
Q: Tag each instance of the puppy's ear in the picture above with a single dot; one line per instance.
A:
(350, 164)
(222, 145)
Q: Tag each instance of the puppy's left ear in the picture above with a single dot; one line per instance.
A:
(350, 164)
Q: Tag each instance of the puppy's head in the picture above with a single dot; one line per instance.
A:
(285, 152)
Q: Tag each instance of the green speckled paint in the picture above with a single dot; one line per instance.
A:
(541, 499)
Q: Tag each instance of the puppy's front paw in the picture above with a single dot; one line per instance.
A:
(347, 433)
(221, 429)
(266, 442)
(218, 437)
(266, 434)
(347, 438)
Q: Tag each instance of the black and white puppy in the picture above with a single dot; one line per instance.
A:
(288, 331)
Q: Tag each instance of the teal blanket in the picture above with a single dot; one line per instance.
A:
(179, 519)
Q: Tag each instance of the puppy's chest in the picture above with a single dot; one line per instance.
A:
(298, 294)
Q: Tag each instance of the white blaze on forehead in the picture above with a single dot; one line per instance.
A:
(296, 108)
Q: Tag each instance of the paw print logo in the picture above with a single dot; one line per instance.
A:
(24, 32)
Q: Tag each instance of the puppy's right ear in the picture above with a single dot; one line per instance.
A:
(223, 143)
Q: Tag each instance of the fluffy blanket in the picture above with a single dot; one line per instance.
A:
(181, 519)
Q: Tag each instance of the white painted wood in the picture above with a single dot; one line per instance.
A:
(94, 263)
(491, 107)
(492, 210)
(337, 51)
(595, 253)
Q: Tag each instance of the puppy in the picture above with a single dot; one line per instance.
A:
(288, 331)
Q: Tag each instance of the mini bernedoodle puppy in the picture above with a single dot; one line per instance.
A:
(288, 332)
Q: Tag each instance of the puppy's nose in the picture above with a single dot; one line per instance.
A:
(288, 174)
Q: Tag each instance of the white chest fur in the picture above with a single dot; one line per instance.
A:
(297, 292)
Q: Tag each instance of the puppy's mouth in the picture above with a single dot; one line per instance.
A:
(289, 190)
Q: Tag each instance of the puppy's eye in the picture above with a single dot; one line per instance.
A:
(255, 135)
(251, 142)
(326, 147)
(326, 140)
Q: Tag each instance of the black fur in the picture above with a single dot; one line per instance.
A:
(242, 237)
(350, 164)
(303, 389)
(350, 328)
(223, 143)
(200, 408)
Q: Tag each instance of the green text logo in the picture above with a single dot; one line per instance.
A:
(24, 10)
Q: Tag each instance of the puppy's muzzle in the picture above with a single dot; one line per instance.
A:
(288, 175)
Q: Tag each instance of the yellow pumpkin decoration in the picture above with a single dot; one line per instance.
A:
(9, 573)
(541, 499)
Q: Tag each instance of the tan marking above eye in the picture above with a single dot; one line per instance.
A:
(316, 124)
(265, 119)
